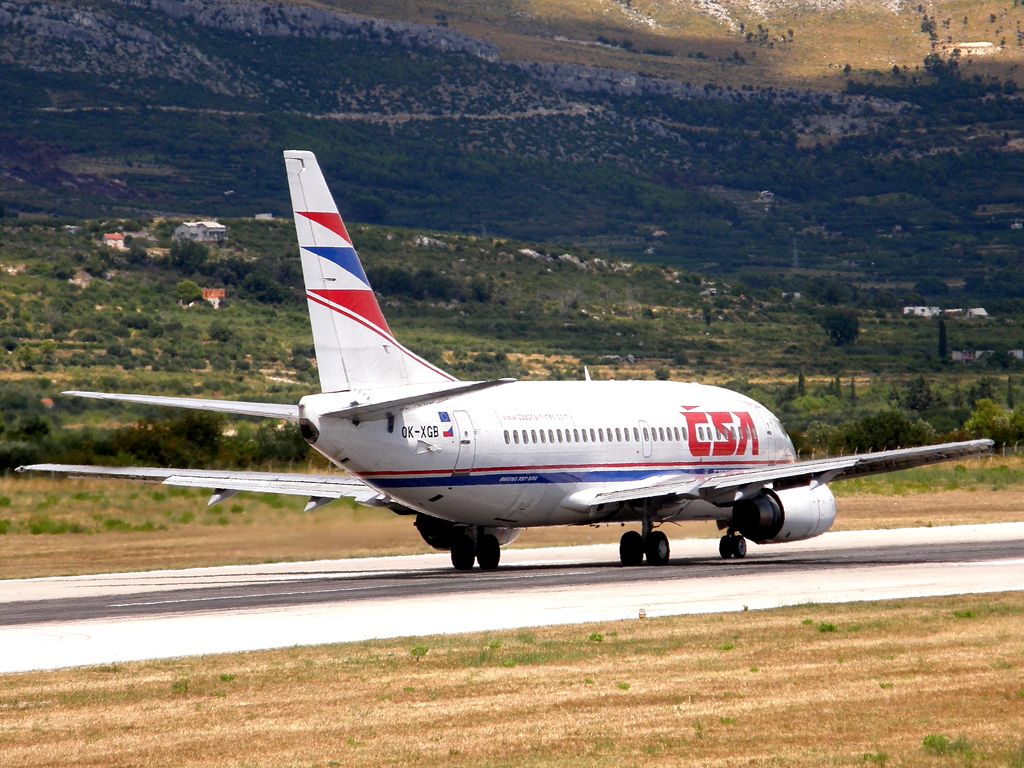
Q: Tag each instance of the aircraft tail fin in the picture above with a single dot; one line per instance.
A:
(355, 349)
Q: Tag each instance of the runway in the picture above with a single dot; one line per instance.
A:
(59, 622)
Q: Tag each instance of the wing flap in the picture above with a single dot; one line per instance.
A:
(241, 408)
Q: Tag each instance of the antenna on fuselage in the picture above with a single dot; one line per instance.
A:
(586, 373)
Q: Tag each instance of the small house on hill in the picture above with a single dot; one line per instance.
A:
(214, 296)
(201, 232)
(114, 240)
(971, 355)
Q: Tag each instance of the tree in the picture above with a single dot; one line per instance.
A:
(991, 420)
(188, 255)
(842, 326)
(27, 357)
(187, 292)
(886, 430)
(918, 396)
(801, 384)
(943, 351)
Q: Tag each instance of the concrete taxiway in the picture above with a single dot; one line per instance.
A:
(59, 622)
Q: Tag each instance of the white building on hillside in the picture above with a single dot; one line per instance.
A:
(922, 311)
(201, 232)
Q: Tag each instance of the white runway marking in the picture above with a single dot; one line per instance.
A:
(74, 643)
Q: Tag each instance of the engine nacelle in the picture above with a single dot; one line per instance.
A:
(441, 534)
(790, 515)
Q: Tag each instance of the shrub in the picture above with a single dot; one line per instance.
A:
(827, 627)
(596, 638)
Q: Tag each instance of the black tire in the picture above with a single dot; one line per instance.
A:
(656, 548)
(739, 547)
(463, 553)
(631, 548)
(488, 552)
(725, 547)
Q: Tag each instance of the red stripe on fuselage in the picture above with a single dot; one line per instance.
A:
(331, 221)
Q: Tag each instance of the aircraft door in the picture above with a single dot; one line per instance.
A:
(467, 442)
(645, 439)
(769, 440)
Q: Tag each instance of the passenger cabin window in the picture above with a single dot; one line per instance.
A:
(551, 436)
(618, 435)
(576, 435)
(558, 434)
(646, 434)
(661, 433)
(677, 432)
(625, 433)
(654, 435)
(600, 434)
(515, 436)
(508, 438)
(533, 434)
(636, 434)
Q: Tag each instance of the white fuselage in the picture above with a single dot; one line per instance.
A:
(535, 453)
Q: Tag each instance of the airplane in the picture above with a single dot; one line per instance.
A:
(477, 462)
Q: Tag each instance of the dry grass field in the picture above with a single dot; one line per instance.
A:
(936, 683)
(50, 528)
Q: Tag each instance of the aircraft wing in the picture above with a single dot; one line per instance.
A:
(242, 408)
(224, 484)
(729, 487)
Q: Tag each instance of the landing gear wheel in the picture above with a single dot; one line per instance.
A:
(725, 547)
(631, 548)
(656, 548)
(739, 547)
(488, 553)
(463, 553)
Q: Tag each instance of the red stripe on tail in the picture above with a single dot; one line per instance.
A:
(361, 303)
(331, 221)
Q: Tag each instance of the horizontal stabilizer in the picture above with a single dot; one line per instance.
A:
(378, 410)
(241, 408)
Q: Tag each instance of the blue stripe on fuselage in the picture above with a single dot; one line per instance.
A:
(522, 477)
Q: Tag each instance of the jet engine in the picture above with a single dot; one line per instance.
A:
(793, 514)
(441, 534)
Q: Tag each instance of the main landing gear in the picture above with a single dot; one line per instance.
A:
(485, 550)
(633, 548)
(732, 545)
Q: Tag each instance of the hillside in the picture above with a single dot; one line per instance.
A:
(182, 108)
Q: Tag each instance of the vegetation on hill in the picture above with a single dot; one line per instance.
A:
(909, 183)
(76, 314)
